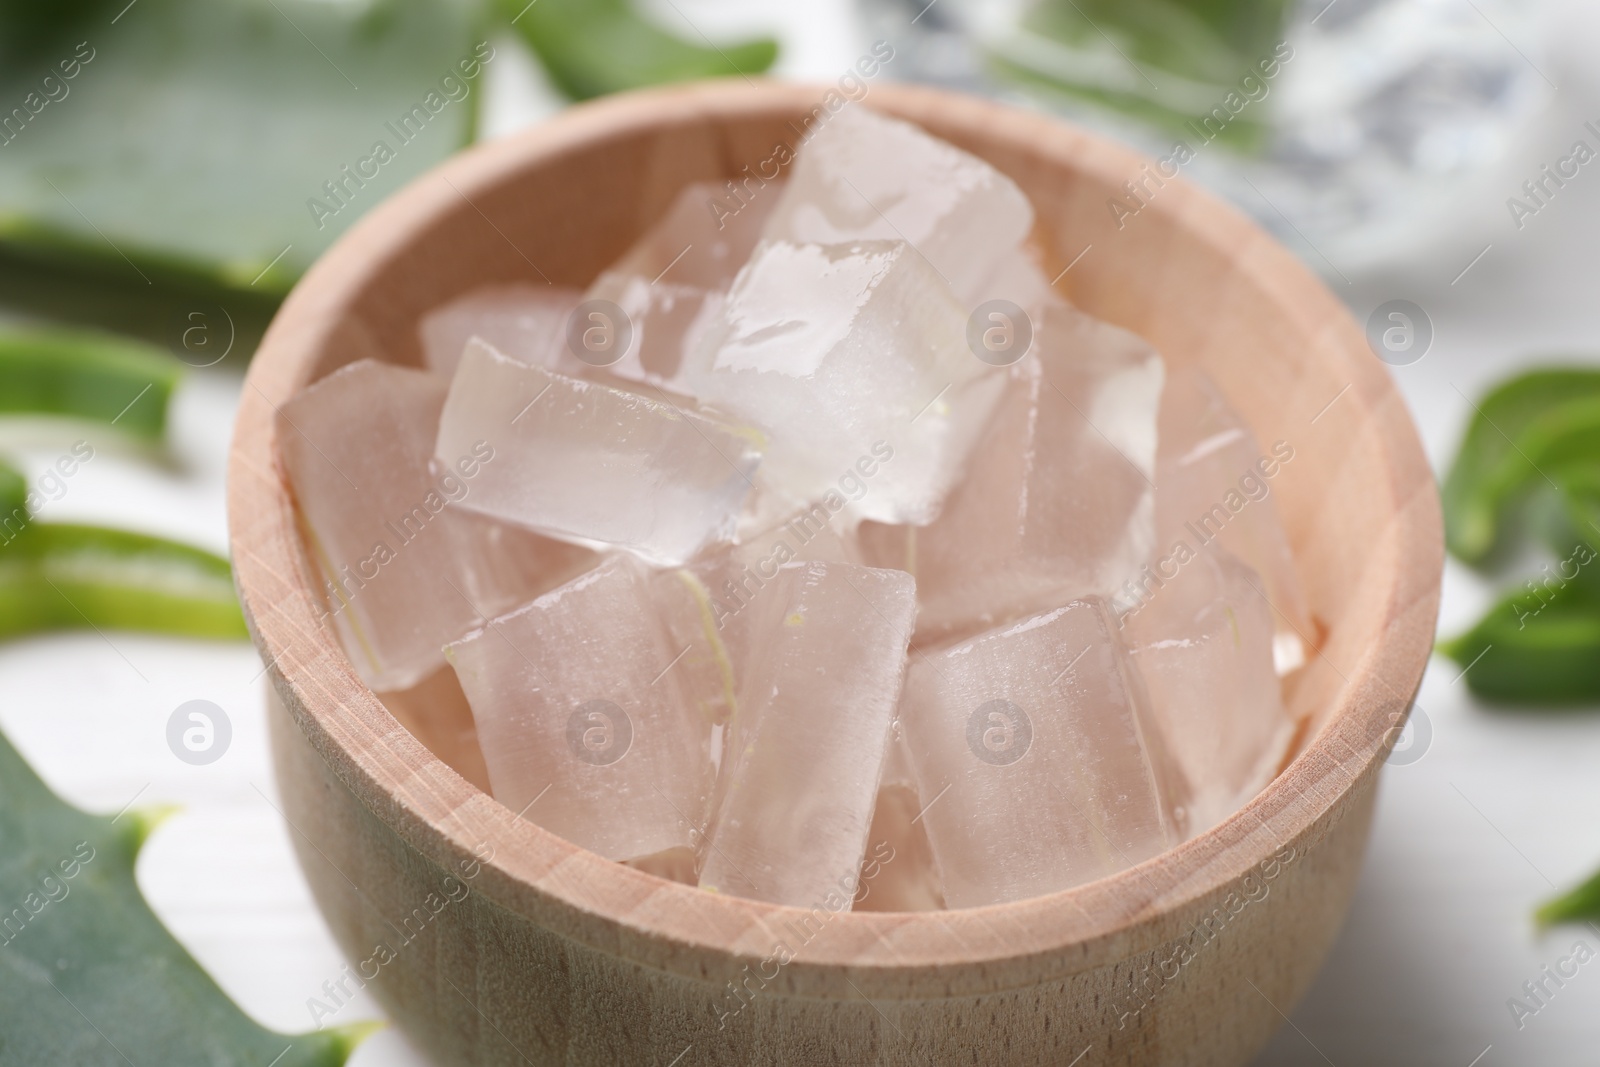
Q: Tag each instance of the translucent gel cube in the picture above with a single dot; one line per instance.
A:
(1035, 748)
(1203, 644)
(899, 868)
(799, 781)
(1017, 278)
(435, 711)
(707, 641)
(725, 583)
(406, 567)
(665, 319)
(849, 357)
(806, 535)
(670, 284)
(1058, 500)
(589, 463)
(864, 176)
(1213, 491)
(731, 578)
(897, 872)
(526, 321)
(587, 722)
(704, 238)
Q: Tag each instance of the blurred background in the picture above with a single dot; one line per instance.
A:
(169, 168)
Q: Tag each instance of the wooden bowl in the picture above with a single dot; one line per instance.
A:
(493, 942)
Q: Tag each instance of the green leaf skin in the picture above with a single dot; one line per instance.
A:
(28, 27)
(1535, 648)
(58, 576)
(194, 134)
(13, 496)
(1581, 904)
(1193, 53)
(1566, 435)
(1567, 520)
(88, 376)
(1581, 496)
(46, 283)
(1489, 473)
(88, 975)
(594, 47)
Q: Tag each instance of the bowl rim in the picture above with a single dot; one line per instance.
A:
(667, 926)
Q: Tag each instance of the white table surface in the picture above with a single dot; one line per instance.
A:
(1499, 809)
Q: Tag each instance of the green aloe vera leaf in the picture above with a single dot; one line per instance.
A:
(220, 145)
(84, 375)
(1492, 466)
(1566, 519)
(1580, 485)
(594, 47)
(27, 27)
(1167, 62)
(1579, 904)
(1547, 513)
(1549, 455)
(1164, 34)
(1567, 435)
(13, 495)
(46, 285)
(1537, 646)
(90, 976)
(1247, 23)
(56, 576)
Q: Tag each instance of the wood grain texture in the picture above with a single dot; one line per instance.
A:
(560, 957)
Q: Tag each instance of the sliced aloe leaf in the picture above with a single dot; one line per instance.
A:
(217, 146)
(90, 975)
(1494, 466)
(1566, 519)
(1540, 645)
(1168, 62)
(27, 27)
(594, 47)
(13, 498)
(56, 576)
(89, 376)
(1568, 514)
(1579, 904)
(53, 287)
